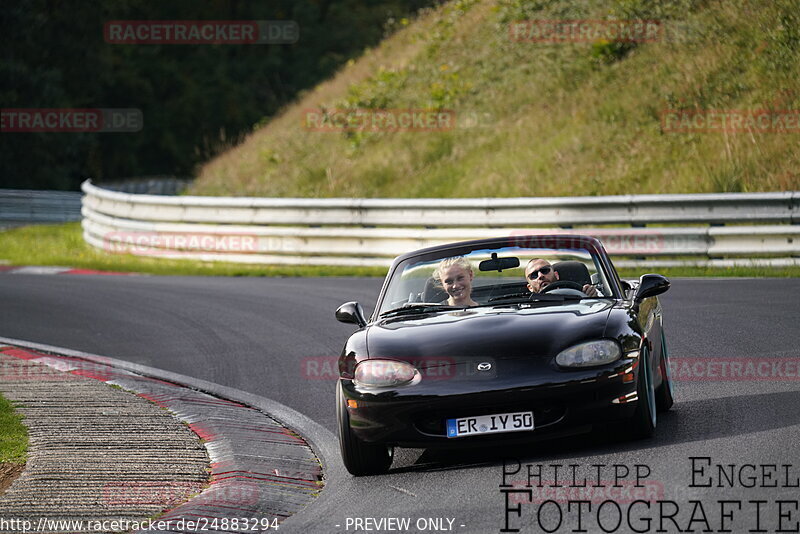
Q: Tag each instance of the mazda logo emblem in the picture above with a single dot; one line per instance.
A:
(484, 366)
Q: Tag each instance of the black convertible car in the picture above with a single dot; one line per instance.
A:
(498, 341)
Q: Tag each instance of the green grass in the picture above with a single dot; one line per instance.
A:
(542, 119)
(63, 245)
(13, 434)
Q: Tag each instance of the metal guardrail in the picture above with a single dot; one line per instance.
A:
(23, 206)
(26, 206)
(150, 185)
(724, 208)
(372, 231)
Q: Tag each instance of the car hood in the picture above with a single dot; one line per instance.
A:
(495, 332)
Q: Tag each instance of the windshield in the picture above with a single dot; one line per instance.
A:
(493, 276)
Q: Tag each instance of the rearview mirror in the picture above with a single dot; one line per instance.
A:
(351, 312)
(498, 264)
(651, 285)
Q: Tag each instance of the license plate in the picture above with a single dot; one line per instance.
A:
(489, 424)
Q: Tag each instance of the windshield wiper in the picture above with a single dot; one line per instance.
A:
(536, 297)
(540, 297)
(513, 296)
(418, 308)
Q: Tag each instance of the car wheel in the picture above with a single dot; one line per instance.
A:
(644, 419)
(664, 398)
(360, 458)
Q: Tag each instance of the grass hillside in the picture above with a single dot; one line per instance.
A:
(538, 119)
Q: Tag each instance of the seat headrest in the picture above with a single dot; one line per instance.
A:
(573, 271)
(433, 291)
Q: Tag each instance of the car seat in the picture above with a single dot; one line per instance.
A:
(573, 271)
(433, 291)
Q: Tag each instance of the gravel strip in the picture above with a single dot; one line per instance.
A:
(261, 472)
(96, 453)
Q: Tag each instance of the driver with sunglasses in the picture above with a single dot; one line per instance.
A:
(539, 274)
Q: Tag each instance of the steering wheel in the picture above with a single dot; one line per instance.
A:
(562, 284)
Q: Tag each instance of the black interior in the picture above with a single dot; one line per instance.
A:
(433, 292)
(573, 271)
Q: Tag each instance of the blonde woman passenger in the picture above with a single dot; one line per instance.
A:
(455, 276)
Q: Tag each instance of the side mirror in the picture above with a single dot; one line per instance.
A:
(351, 312)
(651, 285)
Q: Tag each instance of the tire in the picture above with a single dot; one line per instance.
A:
(664, 393)
(644, 419)
(359, 457)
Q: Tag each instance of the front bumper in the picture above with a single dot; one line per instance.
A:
(562, 403)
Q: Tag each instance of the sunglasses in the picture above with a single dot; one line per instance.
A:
(535, 274)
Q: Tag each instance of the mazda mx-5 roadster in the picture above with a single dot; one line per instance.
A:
(503, 340)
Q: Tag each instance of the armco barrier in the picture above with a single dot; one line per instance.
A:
(150, 185)
(23, 206)
(372, 231)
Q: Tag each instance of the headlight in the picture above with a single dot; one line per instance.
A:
(383, 373)
(589, 354)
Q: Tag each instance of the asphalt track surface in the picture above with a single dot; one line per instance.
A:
(255, 335)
